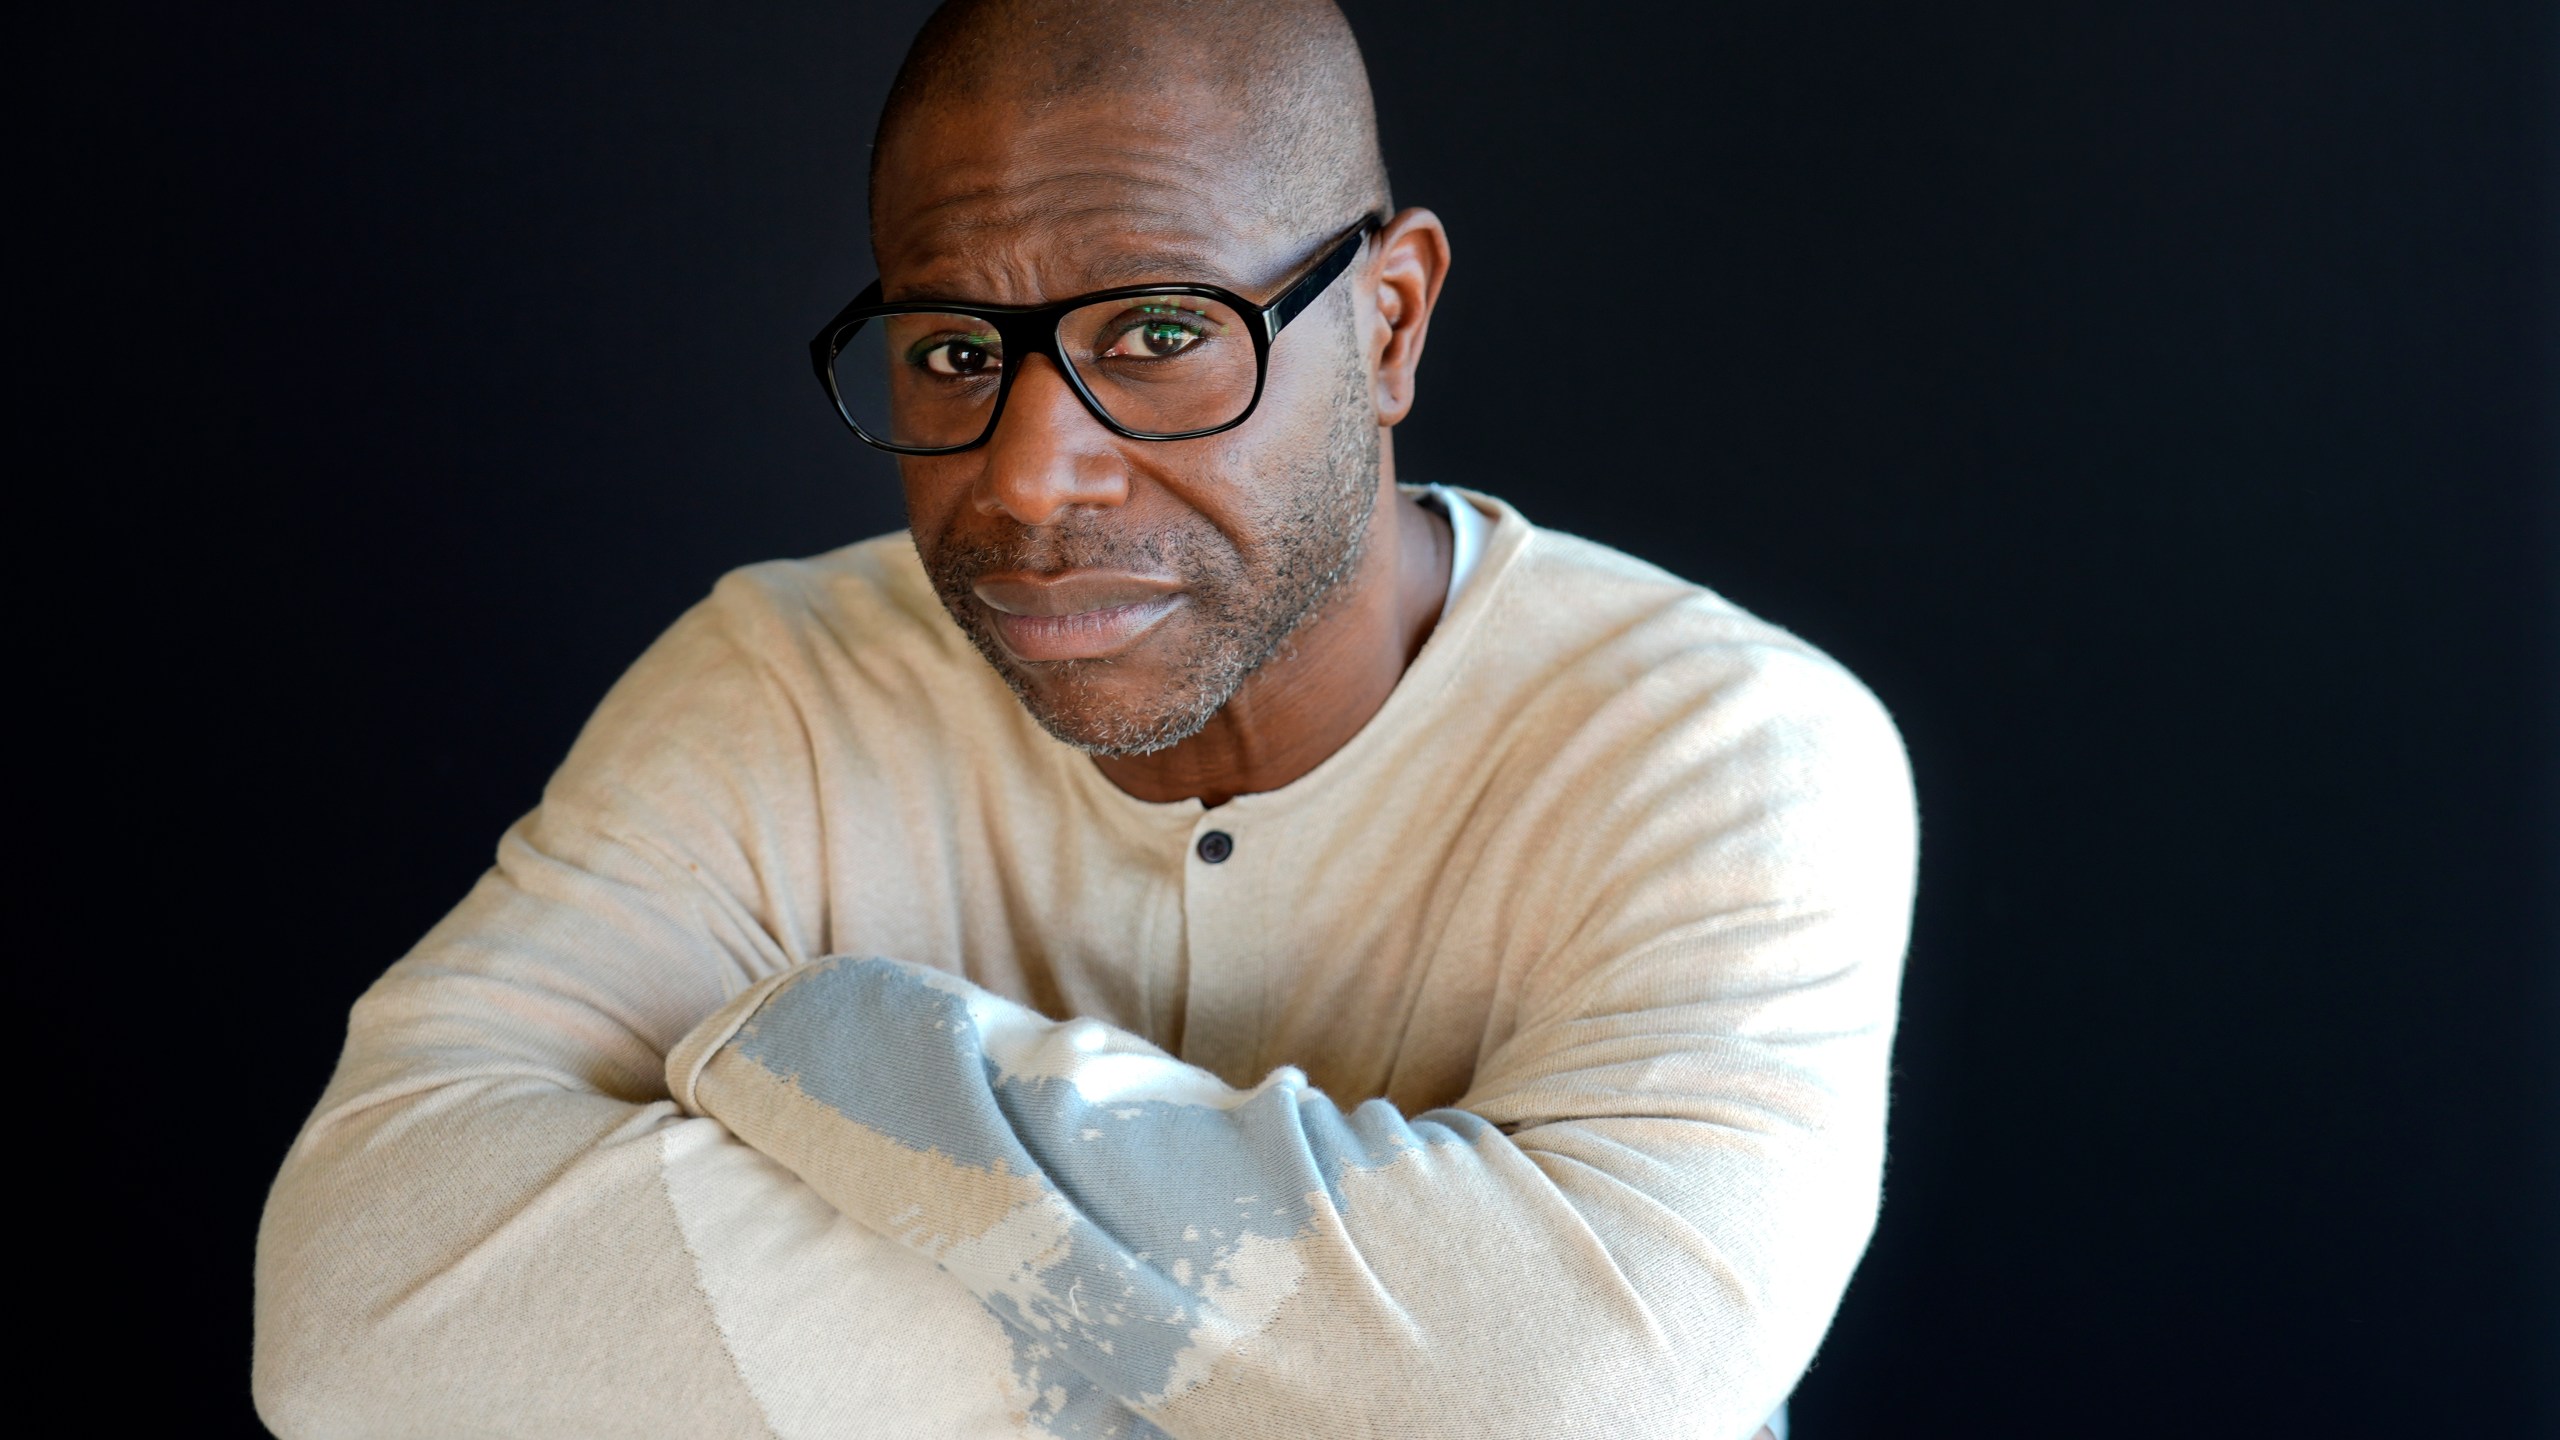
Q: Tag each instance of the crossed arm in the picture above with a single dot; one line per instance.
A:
(545, 1196)
(496, 1221)
(1244, 1262)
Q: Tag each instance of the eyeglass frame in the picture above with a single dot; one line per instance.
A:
(1028, 330)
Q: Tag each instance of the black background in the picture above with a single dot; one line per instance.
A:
(2153, 402)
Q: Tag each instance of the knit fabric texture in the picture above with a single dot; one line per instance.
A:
(834, 1053)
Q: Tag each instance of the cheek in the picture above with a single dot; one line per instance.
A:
(1288, 443)
(936, 489)
(1256, 485)
(1246, 487)
(1311, 369)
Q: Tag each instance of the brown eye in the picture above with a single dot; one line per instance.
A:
(1161, 338)
(1160, 334)
(956, 354)
(961, 355)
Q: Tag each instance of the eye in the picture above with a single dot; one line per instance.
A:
(1160, 332)
(957, 355)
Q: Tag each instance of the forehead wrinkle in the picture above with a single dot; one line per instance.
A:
(1010, 184)
(1011, 196)
(1184, 156)
(1105, 216)
(1010, 154)
(964, 278)
(1029, 255)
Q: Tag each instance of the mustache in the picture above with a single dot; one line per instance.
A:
(1078, 545)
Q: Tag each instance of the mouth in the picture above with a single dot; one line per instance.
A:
(1075, 615)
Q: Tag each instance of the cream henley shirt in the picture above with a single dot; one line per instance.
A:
(834, 1053)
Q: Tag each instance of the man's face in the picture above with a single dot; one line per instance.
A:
(1126, 588)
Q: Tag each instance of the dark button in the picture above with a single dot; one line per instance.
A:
(1216, 846)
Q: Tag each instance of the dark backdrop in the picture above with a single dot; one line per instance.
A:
(2153, 402)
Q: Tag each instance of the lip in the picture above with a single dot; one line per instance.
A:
(1075, 614)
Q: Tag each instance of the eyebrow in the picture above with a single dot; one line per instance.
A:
(1174, 267)
(1166, 267)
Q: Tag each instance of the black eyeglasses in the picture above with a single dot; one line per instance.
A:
(1152, 362)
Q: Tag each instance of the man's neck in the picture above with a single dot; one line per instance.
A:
(1334, 673)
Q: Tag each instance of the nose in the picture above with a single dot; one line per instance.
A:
(1048, 452)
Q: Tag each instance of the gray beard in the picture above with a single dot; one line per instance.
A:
(1248, 608)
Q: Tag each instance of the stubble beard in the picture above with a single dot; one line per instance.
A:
(1246, 608)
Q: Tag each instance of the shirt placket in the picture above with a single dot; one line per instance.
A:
(1222, 1019)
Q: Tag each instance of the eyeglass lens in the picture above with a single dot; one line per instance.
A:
(1156, 364)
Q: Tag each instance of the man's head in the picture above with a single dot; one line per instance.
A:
(1033, 150)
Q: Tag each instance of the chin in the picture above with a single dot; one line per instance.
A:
(1084, 704)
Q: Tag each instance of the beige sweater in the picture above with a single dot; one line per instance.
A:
(1602, 916)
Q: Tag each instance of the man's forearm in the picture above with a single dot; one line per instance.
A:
(494, 1224)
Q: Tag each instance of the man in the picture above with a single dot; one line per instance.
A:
(1194, 938)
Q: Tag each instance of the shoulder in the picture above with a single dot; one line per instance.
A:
(1629, 722)
(856, 630)
(782, 655)
(870, 596)
(1663, 759)
(1610, 654)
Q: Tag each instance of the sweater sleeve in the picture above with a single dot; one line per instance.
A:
(1637, 1223)
(497, 1224)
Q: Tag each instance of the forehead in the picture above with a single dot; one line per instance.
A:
(1012, 204)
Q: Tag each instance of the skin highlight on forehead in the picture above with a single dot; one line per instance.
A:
(1265, 101)
(990, 210)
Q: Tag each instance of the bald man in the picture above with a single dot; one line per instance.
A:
(1191, 938)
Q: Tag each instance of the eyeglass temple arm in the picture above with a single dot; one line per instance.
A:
(1305, 293)
(822, 349)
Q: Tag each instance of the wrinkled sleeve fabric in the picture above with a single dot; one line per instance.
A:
(497, 1224)
(1637, 1223)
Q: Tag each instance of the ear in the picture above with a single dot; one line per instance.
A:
(1401, 286)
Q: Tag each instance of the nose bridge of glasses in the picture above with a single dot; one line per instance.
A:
(1044, 392)
(1043, 451)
